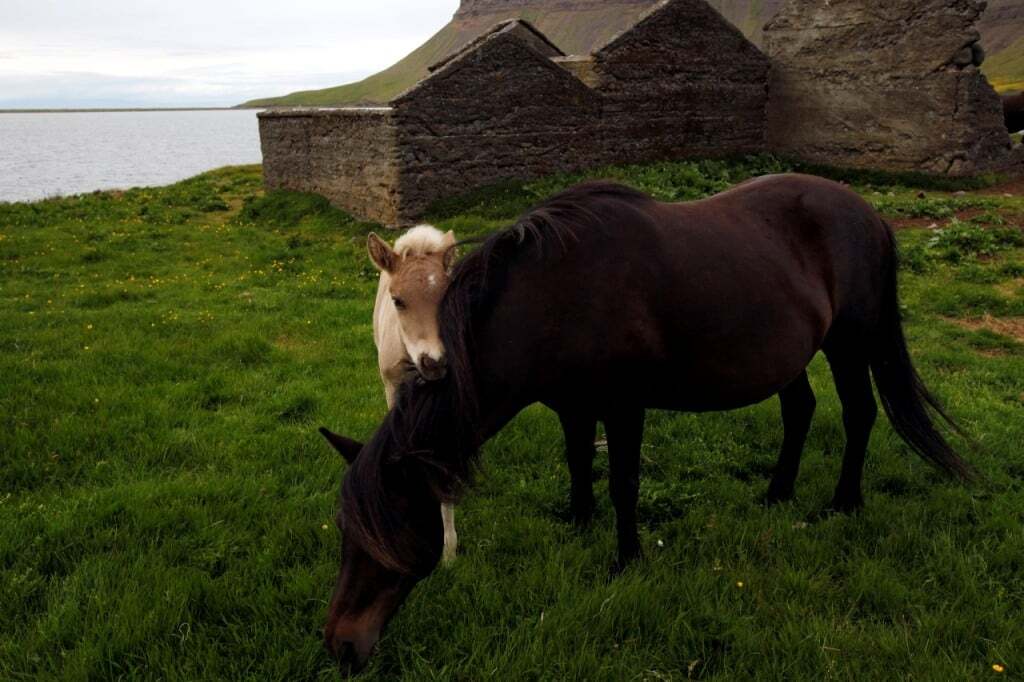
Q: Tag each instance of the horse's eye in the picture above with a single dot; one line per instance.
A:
(399, 303)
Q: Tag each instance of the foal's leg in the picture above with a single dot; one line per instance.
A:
(797, 410)
(853, 384)
(451, 538)
(579, 433)
(625, 434)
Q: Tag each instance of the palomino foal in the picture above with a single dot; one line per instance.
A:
(413, 279)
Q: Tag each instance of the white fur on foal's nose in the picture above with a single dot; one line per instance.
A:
(430, 368)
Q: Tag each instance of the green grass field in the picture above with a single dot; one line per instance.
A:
(166, 503)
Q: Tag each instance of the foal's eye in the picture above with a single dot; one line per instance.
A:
(399, 303)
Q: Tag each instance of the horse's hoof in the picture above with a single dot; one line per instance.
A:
(774, 497)
(582, 520)
(622, 563)
(845, 505)
(581, 512)
(835, 508)
(616, 569)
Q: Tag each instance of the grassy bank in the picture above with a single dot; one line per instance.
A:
(166, 503)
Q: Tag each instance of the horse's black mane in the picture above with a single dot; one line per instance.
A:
(433, 430)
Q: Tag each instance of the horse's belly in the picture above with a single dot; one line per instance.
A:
(687, 393)
(724, 374)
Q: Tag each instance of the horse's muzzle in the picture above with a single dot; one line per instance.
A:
(346, 654)
(431, 369)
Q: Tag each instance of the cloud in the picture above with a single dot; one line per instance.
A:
(97, 90)
(192, 53)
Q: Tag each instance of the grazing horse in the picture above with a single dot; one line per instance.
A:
(1013, 111)
(413, 279)
(601, 303)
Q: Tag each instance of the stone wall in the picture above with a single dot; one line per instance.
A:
(856, 83)
(347, 155)
(891, 85)
(683, 82)
(500, 110)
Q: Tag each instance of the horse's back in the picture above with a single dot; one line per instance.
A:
(705, 305)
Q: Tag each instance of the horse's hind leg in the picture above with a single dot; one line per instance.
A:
(798, 404)
(579, 433)
(853, 384)
(625, 436)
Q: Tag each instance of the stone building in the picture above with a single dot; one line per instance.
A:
(511, 105)
(848, 82)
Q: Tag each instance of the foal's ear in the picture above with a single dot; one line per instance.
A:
(380, 253)
(348, 448)
(450, 252)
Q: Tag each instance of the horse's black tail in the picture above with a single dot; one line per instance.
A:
(907, 401)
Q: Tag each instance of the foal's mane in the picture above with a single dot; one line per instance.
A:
(432, 435)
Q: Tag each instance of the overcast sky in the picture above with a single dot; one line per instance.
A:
(158, 53)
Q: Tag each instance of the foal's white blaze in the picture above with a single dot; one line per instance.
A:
(420, 349)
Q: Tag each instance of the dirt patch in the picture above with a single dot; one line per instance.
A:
(1010, 217)
(1013, 188)
(1012, 327)
(935, 223)
(915, 223)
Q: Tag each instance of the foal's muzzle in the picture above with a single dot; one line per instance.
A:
(431, 369)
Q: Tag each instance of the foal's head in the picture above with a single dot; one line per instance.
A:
(418, 269)
(391, 539)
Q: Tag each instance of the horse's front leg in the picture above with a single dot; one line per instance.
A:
(579, 430)
(625, 430)
(451, 538)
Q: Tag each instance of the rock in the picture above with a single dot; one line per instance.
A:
(1013, 112)
(884, 85)
(977, 54)
(964, 57)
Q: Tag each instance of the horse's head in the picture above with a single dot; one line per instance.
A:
(418, 269)
(372, 582)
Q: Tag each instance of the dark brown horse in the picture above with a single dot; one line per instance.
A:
(1013, 111)
(603, 302)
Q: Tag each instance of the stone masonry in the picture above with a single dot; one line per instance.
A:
(510, 106)
(347, 155)
(891, 85)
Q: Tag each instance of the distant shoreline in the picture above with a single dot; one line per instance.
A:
(112, 110)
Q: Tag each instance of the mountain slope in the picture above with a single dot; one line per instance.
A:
(581, 26)
(1002, 33)
(575, 26)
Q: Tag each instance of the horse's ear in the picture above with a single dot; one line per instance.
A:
(451, 252)
(380, 253)
(348, 448)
